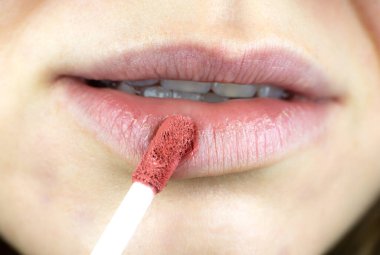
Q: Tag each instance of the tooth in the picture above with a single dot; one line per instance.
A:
(187, 95)
(157, 91)
(213, 98)
(269, 91)
(187, 86)
(126, 88)
(234, 90)
(142, 83)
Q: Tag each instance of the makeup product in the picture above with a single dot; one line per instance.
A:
(173, 141)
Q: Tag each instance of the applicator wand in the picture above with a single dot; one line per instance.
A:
(173, 141)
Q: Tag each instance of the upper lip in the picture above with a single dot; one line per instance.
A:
(276, 65)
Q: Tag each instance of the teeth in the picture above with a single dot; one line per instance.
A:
(187, 95)
(234, 90)
(271, 92)
(157, 91)
(213, 98)
(141, 83)
(161, 92)
(126, 88)
(187, 86)
(197, 91)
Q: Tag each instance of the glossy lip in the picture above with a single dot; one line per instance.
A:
(234, 136)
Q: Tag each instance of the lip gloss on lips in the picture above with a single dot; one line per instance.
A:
(173, 141)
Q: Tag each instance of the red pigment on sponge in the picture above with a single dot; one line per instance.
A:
(174, 139)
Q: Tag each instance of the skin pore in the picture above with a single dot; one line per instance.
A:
(60, 184)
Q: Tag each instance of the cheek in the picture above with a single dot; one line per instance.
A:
(57, 175)
(369, 13)
(52, 160)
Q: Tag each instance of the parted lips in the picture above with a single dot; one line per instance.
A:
(174, 139)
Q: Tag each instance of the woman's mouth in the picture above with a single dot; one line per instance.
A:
(251, 109)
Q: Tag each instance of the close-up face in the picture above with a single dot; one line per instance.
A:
(283, 96)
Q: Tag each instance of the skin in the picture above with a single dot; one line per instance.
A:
(59, 185)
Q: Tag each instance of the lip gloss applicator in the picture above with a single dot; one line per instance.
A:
(173, 141)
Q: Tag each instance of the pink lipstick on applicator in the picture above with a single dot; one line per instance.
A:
(173, 141)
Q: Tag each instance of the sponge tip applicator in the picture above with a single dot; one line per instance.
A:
(174, 140)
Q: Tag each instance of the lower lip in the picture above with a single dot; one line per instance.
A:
(234, 136)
